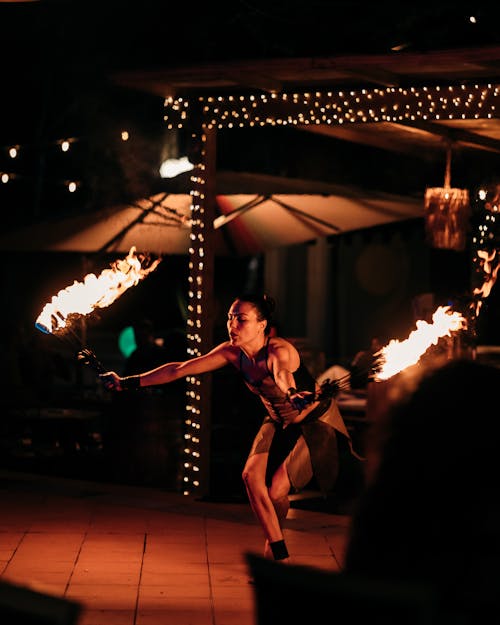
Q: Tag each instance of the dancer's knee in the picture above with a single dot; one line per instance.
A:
(251, 479)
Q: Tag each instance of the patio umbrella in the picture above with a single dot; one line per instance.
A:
(159, 225)
(246, 224)
(262, 223)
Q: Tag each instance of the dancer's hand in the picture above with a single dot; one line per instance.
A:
(111, 381)
(300, 399)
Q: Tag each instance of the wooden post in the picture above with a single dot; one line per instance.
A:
(200, 312)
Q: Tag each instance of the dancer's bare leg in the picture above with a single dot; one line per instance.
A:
(254, 478)
(278, 492)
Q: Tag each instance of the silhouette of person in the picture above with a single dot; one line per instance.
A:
(430, 510)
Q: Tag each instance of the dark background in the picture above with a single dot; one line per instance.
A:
(60, 59)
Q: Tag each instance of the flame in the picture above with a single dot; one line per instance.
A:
(398, 355)
(94, 292)
(490, 271)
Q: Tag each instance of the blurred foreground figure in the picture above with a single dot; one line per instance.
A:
(431, 509)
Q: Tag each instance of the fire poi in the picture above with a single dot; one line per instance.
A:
(82, 298)
(398, 355)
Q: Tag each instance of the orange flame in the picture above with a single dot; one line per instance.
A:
(490, 270)
(398, 355)
(94, 292)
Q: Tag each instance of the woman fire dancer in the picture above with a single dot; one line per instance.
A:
(298, 438)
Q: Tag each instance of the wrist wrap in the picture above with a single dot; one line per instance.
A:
(130, 383)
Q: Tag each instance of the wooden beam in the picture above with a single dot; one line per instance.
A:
(372, 75)
(455, 135)
(382, 136)
(253, 80)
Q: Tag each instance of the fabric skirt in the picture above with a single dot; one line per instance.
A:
(309, 448)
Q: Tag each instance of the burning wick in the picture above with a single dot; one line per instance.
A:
(82, 298)
(43, 328)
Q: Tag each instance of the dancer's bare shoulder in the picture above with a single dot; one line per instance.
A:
(230, 352)
(284, 351)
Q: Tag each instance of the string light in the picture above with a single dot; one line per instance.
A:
(64, 144)
(195, 312)
(408, 104)
(362, 106)
(14, 151)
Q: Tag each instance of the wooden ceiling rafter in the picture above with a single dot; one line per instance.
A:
(456, 136)
(254, 80)
(373, 76)
(342, 71)
(403, 69)
(383, 136)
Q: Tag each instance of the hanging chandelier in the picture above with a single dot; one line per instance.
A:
(447, 213)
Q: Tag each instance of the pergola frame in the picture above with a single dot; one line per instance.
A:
(204, 116)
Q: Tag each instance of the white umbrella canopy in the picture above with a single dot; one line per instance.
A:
(247, 224)
(259, 223)
(159, 225)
